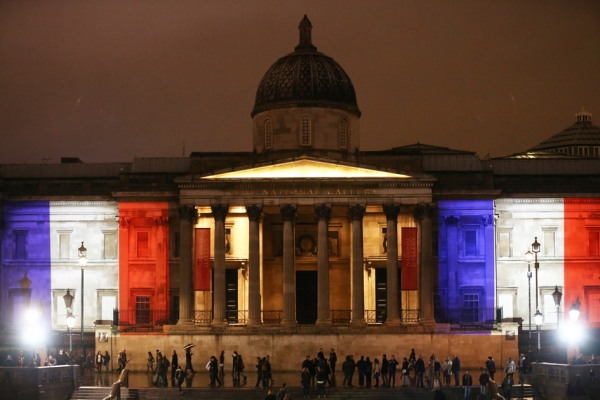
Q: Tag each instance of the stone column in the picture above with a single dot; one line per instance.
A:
(323, 214)
(254, 312)
(288, 213)
(423, 214)
(356, 213)
(391, 212)
(188, 215)
(452, 293)
(219, 214)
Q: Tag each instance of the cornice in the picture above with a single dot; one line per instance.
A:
(145, 196)
(310, 183)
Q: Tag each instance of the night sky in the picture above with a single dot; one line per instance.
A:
(108, 81)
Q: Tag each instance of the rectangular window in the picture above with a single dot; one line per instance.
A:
(64, 251)
(504, 244)
(594, 243)
(176, 244)
(109, 303)
(470, 243)
(142, 309)
(20, 244)
(471, 307)
(549, 243)
(142, 244)
(110, 246)
(505, 300)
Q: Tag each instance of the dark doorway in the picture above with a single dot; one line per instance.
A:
(231, 295)
(380, 294)
(306, 297)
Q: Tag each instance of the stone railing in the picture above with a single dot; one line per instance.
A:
(552, 380)
(40, 383)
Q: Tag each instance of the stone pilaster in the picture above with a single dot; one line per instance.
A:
(323, 214)
(452, 260)
(391, 212)
(254, 309)
(423, 215)
(219, 214)
(356, 213)
(288, 214)
(188, 217)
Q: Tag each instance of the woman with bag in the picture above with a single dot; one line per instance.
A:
(376, 371)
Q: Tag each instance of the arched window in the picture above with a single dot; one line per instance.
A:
(268, 134)
(305, 132)
(343, 133)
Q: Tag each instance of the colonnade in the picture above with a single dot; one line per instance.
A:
(356, 212)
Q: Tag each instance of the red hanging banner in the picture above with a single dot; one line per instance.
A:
(202, 260)
(410, 280)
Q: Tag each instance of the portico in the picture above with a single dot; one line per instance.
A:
(290, 250)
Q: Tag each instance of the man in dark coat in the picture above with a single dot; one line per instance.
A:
(332, 360)
(420, 368)
(361, 366)
(174, 364)
(456, 370)
(347, 369)
(188, 361)
(385, 365)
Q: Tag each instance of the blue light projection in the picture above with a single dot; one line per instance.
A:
(25, 280)
(465, 291)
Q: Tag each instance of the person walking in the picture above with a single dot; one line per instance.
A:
(456, 370)
(467, 382)
(510, 367)
(150, 363)
(106, 360)
(179, 376)
(174, 365)
(347, 369)
(493, 387)
(188, 361)
(222, 366)
(321, 376)
(258, 372)
(507, 385)
(523, 368)
(213, 372)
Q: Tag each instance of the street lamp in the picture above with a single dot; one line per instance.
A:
(539, 318)
(529, 258)
(82, 262)
(557, 296)
(68, 298)
(574, 310)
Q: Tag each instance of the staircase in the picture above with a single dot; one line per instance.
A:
(98, 393)
(525, 392)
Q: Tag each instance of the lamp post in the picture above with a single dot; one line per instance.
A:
(82, 263)
(68, 298)
(529, 259)
(557, 296)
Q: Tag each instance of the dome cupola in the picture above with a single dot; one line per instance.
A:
(305, 101)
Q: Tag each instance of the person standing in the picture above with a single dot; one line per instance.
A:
(258, 372)
(507, 385)
(174, 365)
(222, 366)
(483, 381)
(490, 365)
(89, 365)
(150, 363)
(385, 370)
(361, 365)
(392, 366)
(420, 368)
(332, 360)
(368, 372)
(106, 360)
(99, 361)
(321, 377)
(456, 370)
(405, 368)
(509, 367)
(522, 368)
(305, 380)
(467, 382)
(347, 369)
(188, 361)
(376, 371)
(447, 370)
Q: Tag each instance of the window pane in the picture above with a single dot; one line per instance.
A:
(470, 243)
(549, 243)
(142, 244)
(505, 300)
(108, 304)
(504, 244)
(142, 309)
(110, 246)
(64, 246)
(471, 308)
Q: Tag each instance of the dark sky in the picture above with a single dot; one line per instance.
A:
(110, 80)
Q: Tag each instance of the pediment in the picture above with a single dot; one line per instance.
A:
(306, 168)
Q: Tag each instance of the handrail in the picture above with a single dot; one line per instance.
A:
(115, 389)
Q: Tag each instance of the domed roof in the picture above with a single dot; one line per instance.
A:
(582, 133)
(305, 78)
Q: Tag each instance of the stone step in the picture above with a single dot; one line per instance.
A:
(94, 393)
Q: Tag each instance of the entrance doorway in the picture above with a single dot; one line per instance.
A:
(231, 295)
(306, 297)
